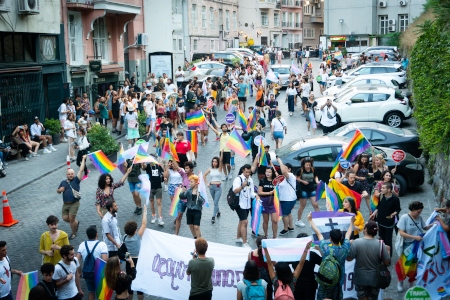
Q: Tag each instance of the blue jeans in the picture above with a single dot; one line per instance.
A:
(216, 192)
(291, 103)
(320, 54)
(2, 157)
(7, 297)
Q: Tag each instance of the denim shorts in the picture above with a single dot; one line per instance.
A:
(286, 207)
(278, 135)
(306, 195)
(133, 186)
(147, 121)
(181, 207)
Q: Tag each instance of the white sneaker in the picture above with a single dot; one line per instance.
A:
(153, 219)
(46, 151)
(64, 140)
(34, 154)
(224, 178)
(239, 240)
(166, 187)
(309, 133)
(400, 286)
(246, 245)
(160, 222)
(230, 176)
(52, 148)
(299, 223)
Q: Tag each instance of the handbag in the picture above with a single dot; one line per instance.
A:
(383, 273)
(76, 194)
(122, 250)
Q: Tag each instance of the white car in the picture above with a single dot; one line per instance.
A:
(393, 69)
(246, 52)
(200, 68)
(368, 104)
(372, 79)
(284, 72)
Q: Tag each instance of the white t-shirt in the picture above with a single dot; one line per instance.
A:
(109, 225)
(98, 251)
(325, 121)
(62, 108)
(278, 124)
(68, 290)
(306, 89)
(291, 92)
(5, 274)
(324, 77)
(171, 88)
(247, 193)
(181, 78)
(36, 130)
(148, 107)
(242, 287)
(147, 91)
(288, 188)
(175, 177)
(122, 113)
(69, 132)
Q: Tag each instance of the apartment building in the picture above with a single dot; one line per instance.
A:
(291, 23)
(313, 19)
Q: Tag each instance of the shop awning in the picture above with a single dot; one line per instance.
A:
(111, 68)
(337, 38)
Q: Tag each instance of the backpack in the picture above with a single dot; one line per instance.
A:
(283, 292)
(122, 250)
(89, 262)
(232, 198)
(264, 275)
(48, 291)
(254, 291)
(329, 271)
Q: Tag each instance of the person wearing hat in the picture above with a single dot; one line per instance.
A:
(131, 118)
(340, 174)
(36, 135)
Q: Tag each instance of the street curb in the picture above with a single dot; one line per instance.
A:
(49, 172)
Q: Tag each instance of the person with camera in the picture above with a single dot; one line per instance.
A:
(328, 120)
(200, 269)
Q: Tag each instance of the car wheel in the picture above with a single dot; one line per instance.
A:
(401, 184)
(393, 119)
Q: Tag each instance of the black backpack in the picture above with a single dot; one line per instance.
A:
(232, 198)
(50, 293)
(122, 250)
(89, 262)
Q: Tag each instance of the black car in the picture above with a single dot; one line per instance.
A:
(324, 150)
(383, 136)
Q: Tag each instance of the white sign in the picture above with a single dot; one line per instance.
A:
(160, 64)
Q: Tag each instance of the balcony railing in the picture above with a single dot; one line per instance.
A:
(87, 2)
(284, 24)
(298, 25)
(288, 2)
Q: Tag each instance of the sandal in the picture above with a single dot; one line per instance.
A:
(73, 236)
(78, 225)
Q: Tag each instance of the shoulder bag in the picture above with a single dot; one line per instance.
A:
(76, 194)
(383, 273)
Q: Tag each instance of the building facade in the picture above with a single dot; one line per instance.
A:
(358, 24)
(313, 18)
(32, 62)
(291, 23)
(104, 44)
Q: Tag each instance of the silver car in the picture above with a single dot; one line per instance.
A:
(200, 68)
(283, 72)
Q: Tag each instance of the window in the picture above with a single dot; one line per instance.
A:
(195, 43)
(321, 31)
(291, 20)
(211, 45)
(17, 47)
(285, 21)
(234, 20)
(75, 38)
(194, 15)
(100, 38)
(364, 43)
(220, 18)
(203, 16)
(379, 97)
(308, 33)
(360, 82)
(211, 18)
(297, 20)
(360, 98)
(174, 44)
(307, 10)
(180, 45)
(322, 154)
(378, 70)
(383, 20)
(403, 22)
(392, 70)
(227, 20)
(276, 20)
(363, 71)
(264, 19)
(365, 132)
(377, 137)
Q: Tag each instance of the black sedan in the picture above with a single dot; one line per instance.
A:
(324, 150)
(383, 136)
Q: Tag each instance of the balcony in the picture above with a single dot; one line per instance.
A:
(299, 25)
(288, 3)
(266, 4)
(284, 24)
(317, 18)
(116, 7)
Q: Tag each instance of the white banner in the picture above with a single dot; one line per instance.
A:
(164, 258)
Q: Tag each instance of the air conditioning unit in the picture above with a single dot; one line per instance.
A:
(5, 5)
(382, 4)
(391, 28)
(392, 22)
(30, 7)
(142, 39)
(402, 3)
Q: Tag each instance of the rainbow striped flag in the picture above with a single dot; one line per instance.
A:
(27, 282)
(342, 191)
(263, 161)
(406, 265)
(338, 55)
(320, 190)
(202, 189)
(101, 162)
(237, 144)
(121, 160)
(173, 151)
(143, 157)
(144, 188)
(242, 120)
(357, 145)
(165, 150)
(276, 201)
(192, 137)
(195, 119)
(374, 200)
(102, 291)
(256, 215)
(332, 201)
(176, 199)
(251, 123)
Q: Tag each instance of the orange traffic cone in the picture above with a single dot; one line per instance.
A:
(7, 214)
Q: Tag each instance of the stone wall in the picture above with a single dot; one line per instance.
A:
(439, 169)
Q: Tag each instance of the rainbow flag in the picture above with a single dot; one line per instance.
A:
(101, 162)
(320, 190)
(374, 200)
(263, 161)
(276, 201)
(342, 191)
(102, 291)
(192, 137)
(121, 160)
(144, 188)
(165, 150)
(406, 265)
(173, 151)
(195, 119)
(332, 201)
(176, 199)
(27, 282)
(242, 120)
(357, 145)
(143, 157)
(338, 55)
(202, 189)
(251, 122)
(237, 144)
(256, 215)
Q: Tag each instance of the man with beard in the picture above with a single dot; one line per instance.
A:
(67, 275)
(111, 232)
(6, 273)
(328, 120)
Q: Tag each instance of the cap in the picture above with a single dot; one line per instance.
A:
(36, 118)
(344, 163)
(149, 84)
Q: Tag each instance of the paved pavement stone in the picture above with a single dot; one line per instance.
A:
(34, 198)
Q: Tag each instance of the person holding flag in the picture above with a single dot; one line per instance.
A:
(266, 193)
(194, 205)
(214, 185)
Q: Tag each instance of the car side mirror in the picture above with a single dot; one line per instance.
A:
(348, 102)
(356, 73)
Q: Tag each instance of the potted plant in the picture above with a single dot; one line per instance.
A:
(53, 127)
(101, 139)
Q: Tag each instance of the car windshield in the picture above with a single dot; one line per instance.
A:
(282, 70)
(342, 95)
(396, 131)
(338, 131)
(287, 149)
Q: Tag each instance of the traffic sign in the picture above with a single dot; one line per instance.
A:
(398, 155)
(229, 118)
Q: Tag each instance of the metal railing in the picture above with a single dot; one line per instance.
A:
(87, 2)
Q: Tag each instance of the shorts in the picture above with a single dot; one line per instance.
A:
(242, 99)
(193, 217)
(171, 189)
(70, 208)
(62, 121)
(90, 285)
(367, 291)
(267, 204)
(173, 115)
(35, 138)
(306, 195)
(286, 207)
(242, 213)
(323, 83)
(226, 157)
(181, 207)
(278, 135)
(304, 100)
(133, 186)
(147, 121)
(116, 114)
(122, 120)
(156, 193)
(181, 110)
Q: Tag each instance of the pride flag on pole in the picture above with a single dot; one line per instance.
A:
(192, 137)
(338, 55)
(102, 291)
(256, 215)
(342, 191)
(251, 123)
(276, 201)
(176, 199)
(27, 282)
(242, 120)
(195, 119)
(143, 157)
(101, 162)
(121, 160)
(144, 189)
(202, 189)
(332, 200)
(237, 144)
(263, 161)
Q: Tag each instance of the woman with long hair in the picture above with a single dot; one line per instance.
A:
(132, 124)
(215, 185)
(257, 256)
(260, 99)
(266, 193)
(386, 176)
(291, 94)
(279, 129)
(118, 280)
(70, 131)
(379, 166)
(310, 105)
(306, 177)
(361, 169)
(251, 277)
(349, 206)
(105, 191)
(82, 146)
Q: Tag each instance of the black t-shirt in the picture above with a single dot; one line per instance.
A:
(266, 185)
(357, 186)
(334, 66)
(51, 287)
(166, 126)
(77, 111)
(296, 83)
(155, 173)
(306, 277)
(307, 176)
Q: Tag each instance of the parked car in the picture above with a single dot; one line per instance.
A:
(197, 56)
(377, 49)
(213, 73)
(257, 49)
(246, 52)
(394, 69)
(373, 79)
(368, 104)
(383, 136)
(324, 151)
(283, 71)
(203, 66)
(228, 57)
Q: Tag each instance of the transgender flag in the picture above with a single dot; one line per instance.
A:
(285, 249)
(327, 220)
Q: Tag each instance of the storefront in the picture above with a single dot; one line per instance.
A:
(102, 82)
(353, 43)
